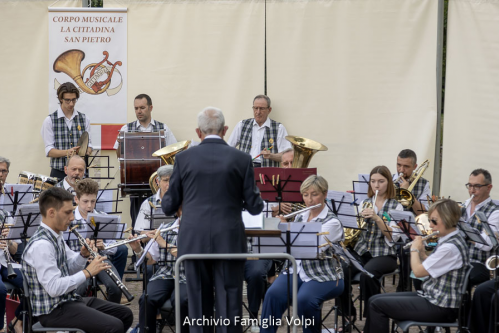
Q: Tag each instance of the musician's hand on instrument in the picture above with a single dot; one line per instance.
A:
(5, 232)
(3, 245)
(98, 265)
(72, 151)
(368, 213)
(404, 183)
(136, 247)
(100, 244)
(282, 218)
(417, 243)
(265, 154)
(286, 208)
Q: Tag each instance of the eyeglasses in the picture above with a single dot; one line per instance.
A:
(68, 101)
(4, 171)
(257, 108)
(433, 221)
(475, 186)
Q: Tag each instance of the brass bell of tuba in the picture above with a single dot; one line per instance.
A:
(304, 149)
(167, 154)
(405, 196)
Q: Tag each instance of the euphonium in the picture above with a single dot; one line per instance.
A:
(492, 263)
(304, 150)
(352, 235)
(167, 154)
(405, 196)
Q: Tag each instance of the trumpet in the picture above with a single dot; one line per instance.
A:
(109, 271)
(492, 263)
(408, 245)
(301, 211)
(126, 241)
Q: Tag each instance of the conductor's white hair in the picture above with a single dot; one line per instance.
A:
(211, 120)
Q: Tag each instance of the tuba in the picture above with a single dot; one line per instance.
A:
(304, 149)
(404, 196)
(167, 154)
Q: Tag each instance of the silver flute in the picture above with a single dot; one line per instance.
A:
(408, 245)
(109, 271)
(126, 241)
(301, 211)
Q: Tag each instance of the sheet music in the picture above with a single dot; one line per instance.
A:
(345, 208)
(407, 216)
(472, 233)
(24, 196)
(110, 226)
(252, 221)
(146, 250)
(105, 200)
(487, 227)
(350, 259)
(360, 187)
(21, 217)
(304, 240)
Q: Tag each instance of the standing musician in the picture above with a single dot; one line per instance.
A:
(143, 222)
(261, 136)
(318, 280)
(479, 186)
(53, 271)
(74, 170)
(213, 191)
(86, 197)
(375, 248)
(445, 270)
(62, 129)
(161, 286)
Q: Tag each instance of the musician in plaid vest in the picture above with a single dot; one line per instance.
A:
(318, 280)
(4, 172)
(444, 270)
(74, 170)
(261, 136)
(375, 247)
(145, 123)
(62, 129)
(161, 286)
(479, 186)
(53, 271)
(86, 198)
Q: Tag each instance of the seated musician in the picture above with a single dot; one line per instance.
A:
(482, 307)
(318, 280)
(479, 186)
(53, 271)
(375, 248)
(75, 170)
(286, 163)
(161, 286)
(86, 197)
(445, 270)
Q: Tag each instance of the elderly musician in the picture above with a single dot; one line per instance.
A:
(62, 129)
(375, 247)
(161, 286)
(479, 186)
(4, 172)
(86, 198)
(74, 170)
(444, 270)
(318, 280)
(261, 137)
(53, 271)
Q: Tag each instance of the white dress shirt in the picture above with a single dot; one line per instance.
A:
(335, 229)
(257, 137)
(43, 258)
(395, 235)
(493, 220)
(154, 250)
(143, 222)
(170, 138)
(106, 242)
(445, 259)
(47, 131)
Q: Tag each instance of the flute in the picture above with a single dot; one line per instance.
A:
(126, 241)
(301, 211)
(408, 245)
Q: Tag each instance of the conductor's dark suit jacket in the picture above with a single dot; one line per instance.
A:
(213, 182)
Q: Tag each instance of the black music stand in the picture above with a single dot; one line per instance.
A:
(281, 184)
(106, 202)
(26, 221)
(17, 195)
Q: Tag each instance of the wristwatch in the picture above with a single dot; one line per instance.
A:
(415, 250)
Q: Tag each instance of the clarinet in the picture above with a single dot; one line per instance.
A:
(11, 274)
(109, 271)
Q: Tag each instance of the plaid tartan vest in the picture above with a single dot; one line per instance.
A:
(65, 138)
(372, 239)
(132, 127)
(444, 291)
(3, 215)
(477, 255)
(327, 269)
(166, 269)
(270, 133)
(42, 303)
(74, 244)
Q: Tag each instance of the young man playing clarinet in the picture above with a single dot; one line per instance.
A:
(53, 271)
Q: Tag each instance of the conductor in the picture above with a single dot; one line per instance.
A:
(213, 182)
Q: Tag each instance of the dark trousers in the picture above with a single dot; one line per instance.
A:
(226, 277)
(135, 203)
(482, 308)
(18, 282)
(119, 259)
(158, 292)
(479, 274)
(311, 295)
(403, 306)
(377, 266)
(59, 174)
(91, 315)
(255, 275)
(113, 291)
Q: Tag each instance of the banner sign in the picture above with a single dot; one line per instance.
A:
(88, 47)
